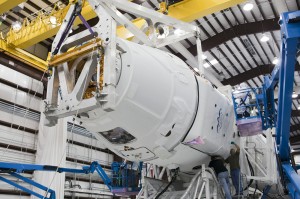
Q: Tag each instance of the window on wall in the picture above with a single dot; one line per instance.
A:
(118, 136)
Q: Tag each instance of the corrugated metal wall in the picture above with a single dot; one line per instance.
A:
(19, 123)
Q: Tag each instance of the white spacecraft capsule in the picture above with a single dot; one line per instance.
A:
(164, 114)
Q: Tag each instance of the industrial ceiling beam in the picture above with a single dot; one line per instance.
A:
(22, 67)
(236, 31)
(294, 127)
(186, 10)
(252, 73)
(6, 5)
(248, 75)
(296, 113)
(295, 139)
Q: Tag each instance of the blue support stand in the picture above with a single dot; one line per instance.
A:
(266, 191)
(284, 73)
(290, 30)
(283, 76)
(14, 170)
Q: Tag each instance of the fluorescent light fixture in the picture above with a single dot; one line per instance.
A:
(196, 69)
(16, 26)
(275, 61)
(206, 65)
(294, 95)
(248, 7)
(53, 20)
(264, 38)
(179, 32)
(212, 62)
(204, 56)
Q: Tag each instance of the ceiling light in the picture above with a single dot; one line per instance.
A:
(294, 95)
(212, 62)
(275, 61)
(179, 32)
(206, 65)
(53, 20)
(204, 56)
(196, 69)
(248, 7)
(298, 108)
(264, 38)
(16, 26)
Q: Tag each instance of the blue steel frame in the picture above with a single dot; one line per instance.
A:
(126, 175)
(14, 169)
(260, 101)
(283, 74)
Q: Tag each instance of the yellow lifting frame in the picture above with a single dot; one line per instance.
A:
(6, 5)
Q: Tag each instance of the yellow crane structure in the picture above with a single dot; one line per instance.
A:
(45, 26)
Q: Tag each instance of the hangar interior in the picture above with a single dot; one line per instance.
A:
(132, 99)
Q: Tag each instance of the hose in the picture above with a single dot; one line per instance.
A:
(251, 171)
(169, 184)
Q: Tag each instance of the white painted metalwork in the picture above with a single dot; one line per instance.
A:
(204, 179)
(261, 154)
(152, 107)
(151, 94)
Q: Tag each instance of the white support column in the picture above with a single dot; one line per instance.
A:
(215, 192)
(162, 173)
(206, 180)
(51, 150)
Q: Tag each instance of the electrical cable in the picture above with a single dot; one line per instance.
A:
(256, 187)
(251, 171)
(168, 185)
